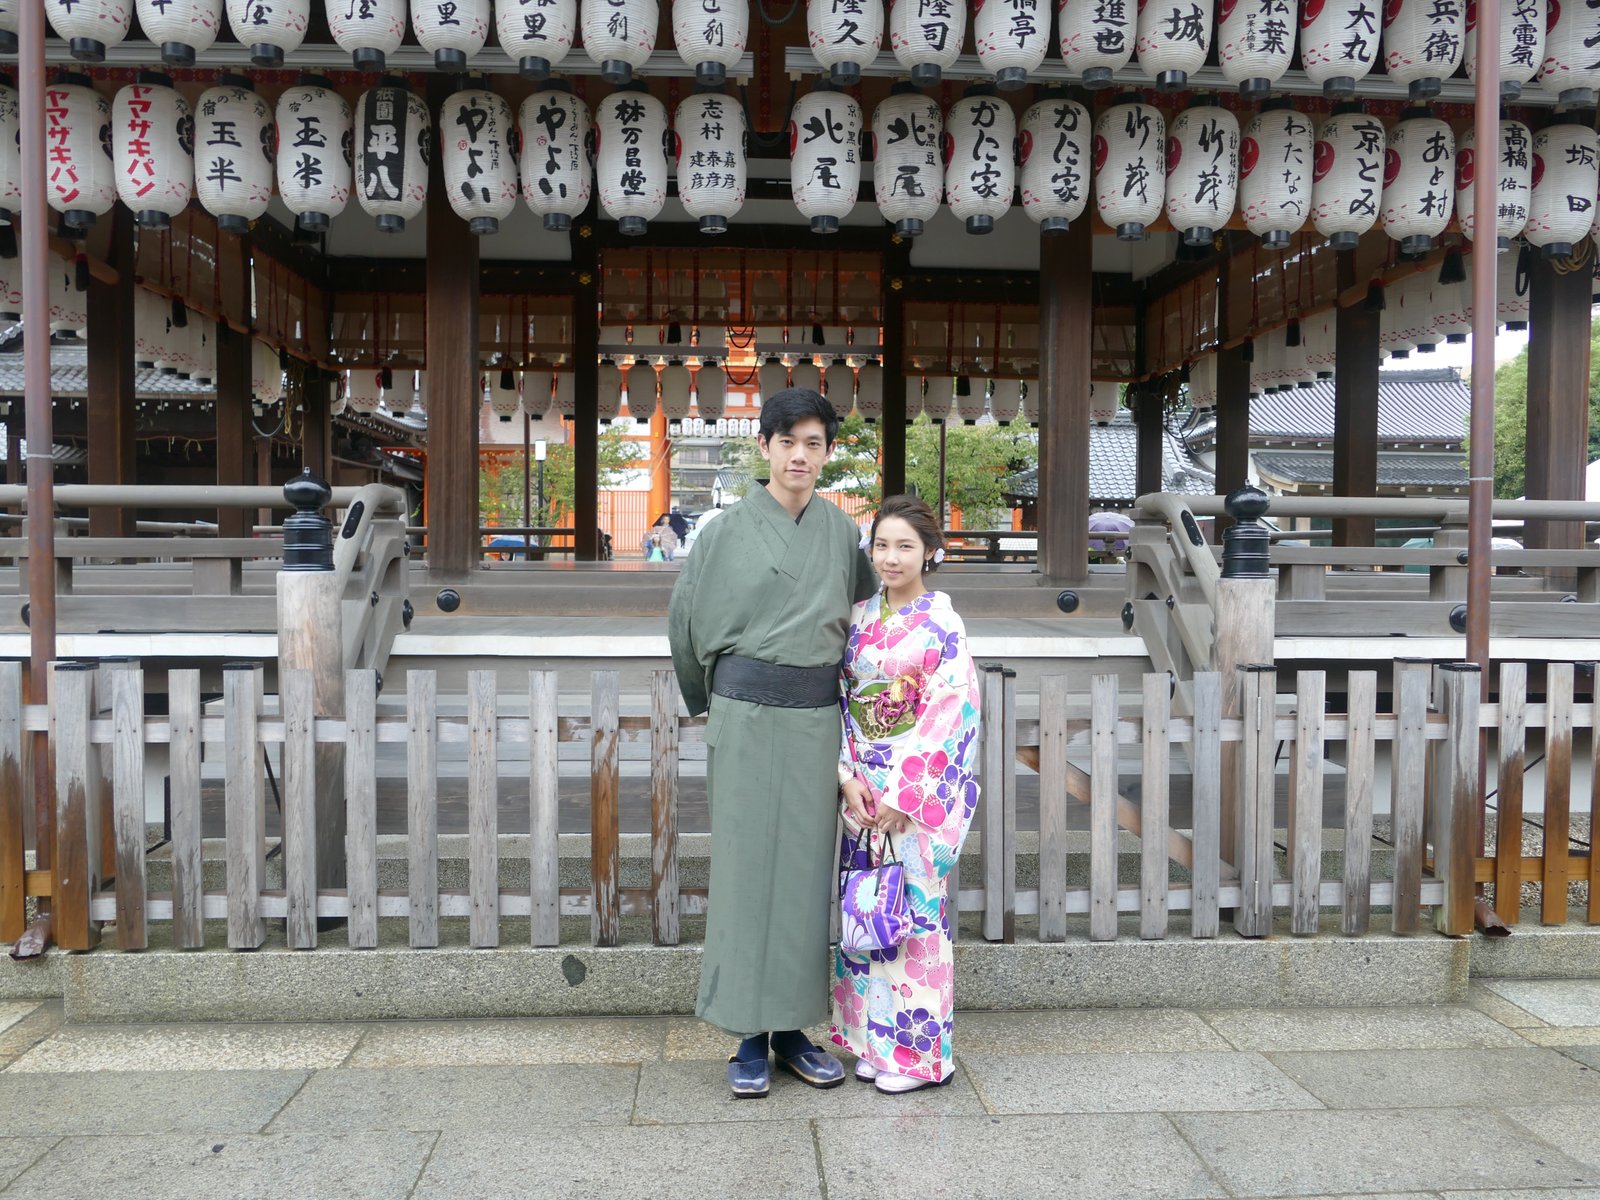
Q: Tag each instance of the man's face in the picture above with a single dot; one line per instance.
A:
(796, 457)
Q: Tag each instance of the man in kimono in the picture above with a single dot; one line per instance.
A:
(758, 622)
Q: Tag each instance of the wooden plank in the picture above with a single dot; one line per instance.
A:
(1052, 809)
(1008, 789)
(296, 690)
(108, 667)
(77, 783)
(1103, 809)
(605, 844)
(1206, 760)
(664, 807)
(483, 811)
(1409, 774)
(1258, 690)
(1245, 616)
(361, 806)
(544, 813)
(245, 799)
(127, 801)
(183, 764)
(1361, 691)
(1460, 791)
(1593, 914)
(13, 806)
(1557, 792)
(1153, 863)
(1513, 735)
(422, 806)
(1306, 768)
(993, 805)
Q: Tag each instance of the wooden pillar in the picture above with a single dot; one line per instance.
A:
(454, 397)
(1066, 298)
(892, 425)
(660, 465)
(1355, 418)
(236, 465)
(1233, 420)
(112, 404)
(1558, 396)
(586, 386)
(316, 424)
(1148, 406)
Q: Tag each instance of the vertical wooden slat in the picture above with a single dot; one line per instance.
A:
(1460, 789)
(108, 669)
(297, 700)
(1361, 692)
(183, 762)
(13, 801)
(1307, 766)
(422, 806)
(246, 817)
(483, 811)
(361, 806)
(127, 800)
(77, 813)
(1409, 776)
(544, 812)
(1103, 808)
(1513, 737)
(993, 805)
(664, 807)
(1154, 805)
(605, 848)
(1593, 914)
(1557, 792)
(1053, 808)
(1258, 694)
(1206, 760)
(1008, 787)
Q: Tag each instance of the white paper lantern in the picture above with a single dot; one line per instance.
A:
(926, 36)
(980, 172)
(536, 389)
(1522, 30)
(676, 381)
(1571, 66)
(69, 308)
(315, 140)
(971, 398)
(771, 378)
(557, 172)
(938, 398)
(480, 173)
(1096, 38)
(642, 385)
(619, 35)
(710, 391)
(1203, 382)
(364, 389)
(1053, 150)
(406, 399)
(564, 401)
(180, 28)
(11, 290)
(149, 327)
(271, 28)
(1202, 172)
(80, 176)
(451, 30)
(824, 153)
(537, 34)
(1339, 42)
(1275, 169)
(806, 374)
(1130, 144)
(845, 35)
(1565, 182)
(203, 345)
(907, 173)
(710, 134)
(90, 26)
(1005, 399)
(710, 36)
(869, 391)
(1423, 299)
(1011, 38)
(152, 147)
(233, 143)
(630, 126)
(393, 140)
(1418, 180)
(368, 30)
(1392, 342)
(1423, 42)
(1513, 168)
(839, 385)
(1032, 395)
(1347, 175)
(1297, 353)
(1174, 39)
(266, 374)
(1452, 314)
(1513, 287)
(504, 402)
(1319, 334)
(608, 390)
(1102, 402)
(1255, 41)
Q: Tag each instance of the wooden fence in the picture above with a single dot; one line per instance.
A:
(1225, 859)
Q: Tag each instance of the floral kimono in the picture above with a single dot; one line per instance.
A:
(911, 735)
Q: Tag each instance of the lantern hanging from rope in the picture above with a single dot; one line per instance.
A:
(90, 26)
(504, 402)
(1418, 180)
(926, 37)
(149, 327)
(619, 36)
(845, 35)
(1422, 43)
(1275, 172)
(69, 315)
(1452, 311)
(1203, 382)
(980, 158)
(536, 386)
(181, 28)
(1255, 41)
(642, 385)
(631, 126)
(710, 36)
(364, 389)
(537, 34)
(1318, 333)
(11, 290)
(393, 135)
(1422, 305)
(1202, 171)
(771, 378)
(709, 133)
(938, 396)
(1392, 341)
(676, 381)
(233, 141)
(480, 173)
(1032, 398)
(608, 390)
(1103, 402)
(710, 391)
(972, 396)
(1011, 39)
(565, 400)
(1513, 285)
(1174, 39)
(806, 374)
(1565, 182)
(557, 141)
(1096, 39)
(1054, 149)
(271, 28)
(1005, 399)
(1513, 170)
(450, 30)
(1522, 33)
(869, 391)
(839, 386)
(907, 174)
(1347, 175)
(368, 31)
(825, 159)
(80, 176)
(1130, 143)
(314, 139)
(1571, 67)
(266, 374)
(152, 139)
(1339, 43)
(420, 403)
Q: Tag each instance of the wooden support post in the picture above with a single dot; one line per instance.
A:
(236, 464)
(1558, 399)
(1066, 350)
(586, 384)
(1355, 418)
(1244, 636)
(892, 424)
(1148, 410)
(1513, 743)
(78, 794)
(604, 845)
(311, 638)
(111, 402)
(1233, 422)
(1459, 783)
(316, 424)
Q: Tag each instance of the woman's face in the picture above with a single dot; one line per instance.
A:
(898, 553)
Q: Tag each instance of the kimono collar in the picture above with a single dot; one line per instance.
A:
(782, 525)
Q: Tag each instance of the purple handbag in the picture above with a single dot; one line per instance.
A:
(874, 913)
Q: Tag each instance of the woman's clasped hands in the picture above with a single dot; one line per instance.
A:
(867, 813)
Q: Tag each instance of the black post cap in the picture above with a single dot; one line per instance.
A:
(307, 534)
(1247, 545)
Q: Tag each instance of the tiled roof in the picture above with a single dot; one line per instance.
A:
(1395, 469)
(1413, 406)
(69, 378)
(1113, 467)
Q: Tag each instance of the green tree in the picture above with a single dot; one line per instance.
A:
(977, 458)
(1511, 420)
(500, 481)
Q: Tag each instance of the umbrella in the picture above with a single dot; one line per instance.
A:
(1114, 523)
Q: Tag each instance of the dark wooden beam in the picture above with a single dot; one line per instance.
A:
(235, 438)
(892, 425)
(1066, 317)
(411, 275)
(316, 423)
(586, 385)
(1558, 395)
(1355, 418)
(1149, 410)
(111, 404)
(672, 235)
(1233, 421)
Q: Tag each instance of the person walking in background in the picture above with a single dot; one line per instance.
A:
(660, 542)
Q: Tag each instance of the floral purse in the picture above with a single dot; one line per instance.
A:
(874, 911)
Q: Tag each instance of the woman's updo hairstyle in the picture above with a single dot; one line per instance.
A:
(915, 513)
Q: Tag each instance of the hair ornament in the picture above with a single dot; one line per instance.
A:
(938, 555)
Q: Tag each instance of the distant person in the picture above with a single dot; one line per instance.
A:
(660, 542)
(679, 523)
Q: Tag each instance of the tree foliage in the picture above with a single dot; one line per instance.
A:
(1511, 420)
(500, 480)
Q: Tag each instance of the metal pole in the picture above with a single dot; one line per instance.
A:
(527, 449)
(943, 523)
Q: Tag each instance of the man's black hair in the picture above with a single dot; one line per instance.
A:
(782, 411)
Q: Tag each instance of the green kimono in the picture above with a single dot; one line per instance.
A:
(764, 586)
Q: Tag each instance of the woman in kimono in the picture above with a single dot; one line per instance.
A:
(906, 774)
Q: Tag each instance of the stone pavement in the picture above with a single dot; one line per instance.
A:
(1496, 1099)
